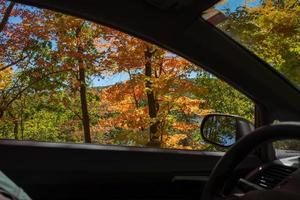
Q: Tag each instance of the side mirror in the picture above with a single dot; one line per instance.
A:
(224, 130)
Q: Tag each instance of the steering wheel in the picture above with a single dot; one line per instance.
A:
(236, 154)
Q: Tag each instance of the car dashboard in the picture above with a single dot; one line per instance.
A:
(282, 174)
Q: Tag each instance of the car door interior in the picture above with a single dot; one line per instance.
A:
(78, 171)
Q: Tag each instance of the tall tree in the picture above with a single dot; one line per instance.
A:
(76, 50)
(49, 52)
(158, 96)
(153, 105)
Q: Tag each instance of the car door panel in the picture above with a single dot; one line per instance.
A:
(63, 171)
(66, 169)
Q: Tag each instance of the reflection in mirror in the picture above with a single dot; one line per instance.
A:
(220, 130)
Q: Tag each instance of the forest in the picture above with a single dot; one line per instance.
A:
(57, 77)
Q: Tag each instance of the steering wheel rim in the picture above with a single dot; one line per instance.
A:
(236, 154)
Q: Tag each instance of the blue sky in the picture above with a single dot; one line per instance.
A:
(232, 5)
(117, 78)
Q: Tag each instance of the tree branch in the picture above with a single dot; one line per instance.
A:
(13, 63)
(34, 82)
(6, 16)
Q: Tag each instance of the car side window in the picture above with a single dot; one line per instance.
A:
(287, 148)
(65, 79)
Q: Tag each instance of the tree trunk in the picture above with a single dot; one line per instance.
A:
(82, 91)
(1, 113)
(153, 131)
(22, 128)
(16, 124)
(84, 107)
(136, 102)
(6, 15)
(16, 129)
(22, 117)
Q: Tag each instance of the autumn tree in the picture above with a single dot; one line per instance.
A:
(49, 52)
(223, 98)
(271, 30)
(14, 45)
(157, 98)
(75, 51)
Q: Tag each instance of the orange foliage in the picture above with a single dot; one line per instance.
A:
(5, 78)
(126, 104)
(76, 44)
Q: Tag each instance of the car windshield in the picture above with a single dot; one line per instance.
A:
(268, 28)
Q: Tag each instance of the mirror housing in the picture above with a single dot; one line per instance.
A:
(224, 130)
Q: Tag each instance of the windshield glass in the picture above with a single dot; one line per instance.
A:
(268, 28)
